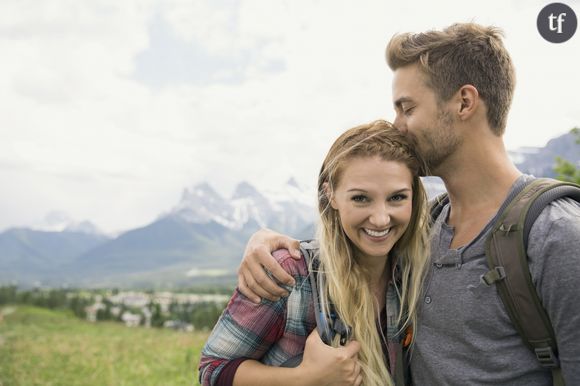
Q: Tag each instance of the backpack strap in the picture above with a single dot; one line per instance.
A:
(437, 205)
(328, 323)
(506, 251)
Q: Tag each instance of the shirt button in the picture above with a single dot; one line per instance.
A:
(427, 299)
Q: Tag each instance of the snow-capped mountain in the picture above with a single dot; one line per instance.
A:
(289, 208)
(59, 221)
(202, 204)
(248, 204)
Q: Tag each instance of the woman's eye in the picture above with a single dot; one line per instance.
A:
(359, 198)
(408, 111)
(398, 197)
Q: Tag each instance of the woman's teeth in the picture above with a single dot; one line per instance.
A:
(376, 233)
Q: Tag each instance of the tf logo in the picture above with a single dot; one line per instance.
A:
(557, 22)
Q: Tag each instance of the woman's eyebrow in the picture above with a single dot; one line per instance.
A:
(393, 192)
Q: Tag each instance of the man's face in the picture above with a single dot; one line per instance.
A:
(418, 114)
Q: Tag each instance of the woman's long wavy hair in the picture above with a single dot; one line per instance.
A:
(347, 283)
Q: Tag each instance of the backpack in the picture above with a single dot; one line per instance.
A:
(328, 322)
(506, 251)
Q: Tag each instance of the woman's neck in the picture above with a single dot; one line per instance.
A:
(379, 272)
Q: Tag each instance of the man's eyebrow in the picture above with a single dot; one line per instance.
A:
(402, 100)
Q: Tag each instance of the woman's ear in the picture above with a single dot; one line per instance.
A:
(329, 195)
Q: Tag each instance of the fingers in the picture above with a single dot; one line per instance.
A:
(272, 265)
(352, 348)
(334, 365)
(258, 282)
(258, 255)
(358, 380)
(253, 281)
(292, 245)
(280, 242)
(352, 371)
(355, 377)
(244, 289)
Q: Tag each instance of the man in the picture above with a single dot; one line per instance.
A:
(452, 90)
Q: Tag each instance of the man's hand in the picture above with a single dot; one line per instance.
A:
(325, 365)
(253, 281)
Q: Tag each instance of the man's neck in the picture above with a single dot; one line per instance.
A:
(478, 178)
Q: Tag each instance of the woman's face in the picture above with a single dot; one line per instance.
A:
(374, 201)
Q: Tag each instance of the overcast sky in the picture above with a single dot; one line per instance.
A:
(108, 109)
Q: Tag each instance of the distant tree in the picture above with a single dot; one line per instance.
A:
(78, 305)
(566, 170)
(105, 313)
(205, 315)
(185, 312)
(174, 307)
(24, 297)
(156, 315)
(55, 298)
(8, 294)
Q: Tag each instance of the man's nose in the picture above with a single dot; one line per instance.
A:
(399, 123)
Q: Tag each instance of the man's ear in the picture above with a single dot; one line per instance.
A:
(468, 101)
(329, 195)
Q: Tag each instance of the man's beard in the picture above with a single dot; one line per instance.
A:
(437, 143)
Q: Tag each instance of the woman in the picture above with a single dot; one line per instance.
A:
(372, 250)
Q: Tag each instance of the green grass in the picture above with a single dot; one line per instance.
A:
(45, 347)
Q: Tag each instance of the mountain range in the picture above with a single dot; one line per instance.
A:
(201, 239)
(198, 241)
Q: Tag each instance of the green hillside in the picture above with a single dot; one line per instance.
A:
(44, 347)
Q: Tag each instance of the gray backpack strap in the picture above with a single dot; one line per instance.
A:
(437, 205)
(506, 251)
(329, 325)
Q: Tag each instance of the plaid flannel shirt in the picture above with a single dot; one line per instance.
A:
(271, 332)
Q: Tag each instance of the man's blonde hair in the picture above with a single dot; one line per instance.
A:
(464, 53)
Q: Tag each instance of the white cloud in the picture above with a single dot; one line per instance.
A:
(110, 108)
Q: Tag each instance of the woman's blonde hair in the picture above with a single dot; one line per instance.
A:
(347, 283)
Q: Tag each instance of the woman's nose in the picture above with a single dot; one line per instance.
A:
(380, 217)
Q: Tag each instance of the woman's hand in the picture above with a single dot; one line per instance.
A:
(325, 365)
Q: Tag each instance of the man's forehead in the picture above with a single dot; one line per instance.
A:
(407, 75)
(408, 83)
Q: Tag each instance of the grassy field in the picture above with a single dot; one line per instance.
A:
(44, 347)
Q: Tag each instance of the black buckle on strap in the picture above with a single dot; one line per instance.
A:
(496, 274)
(546, 357)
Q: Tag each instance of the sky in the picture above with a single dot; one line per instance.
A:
(109, 109)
